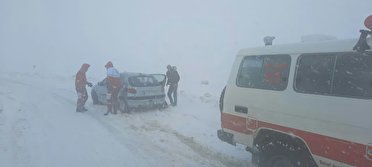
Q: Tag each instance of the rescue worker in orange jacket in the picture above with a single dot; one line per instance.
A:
(80, 86)
(113, 87)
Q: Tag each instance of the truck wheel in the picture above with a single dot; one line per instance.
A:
(94, 97)
(278, 154)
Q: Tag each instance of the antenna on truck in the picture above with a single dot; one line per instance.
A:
(268, 40)
(362, 44)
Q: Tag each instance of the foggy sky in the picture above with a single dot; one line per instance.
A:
(199, 36)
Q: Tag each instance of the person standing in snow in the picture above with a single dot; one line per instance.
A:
(80, 86)
(113, 88)
(172, 81)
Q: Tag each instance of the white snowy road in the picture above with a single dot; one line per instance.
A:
(39, 128)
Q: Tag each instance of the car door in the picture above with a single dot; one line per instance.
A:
(101, 91)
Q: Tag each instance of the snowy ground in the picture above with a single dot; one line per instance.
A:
(40, 128)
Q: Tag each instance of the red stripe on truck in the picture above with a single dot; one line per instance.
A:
(235, 123)
(329, 147)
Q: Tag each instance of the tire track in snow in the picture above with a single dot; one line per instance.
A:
(132, 139)
(123, 138)
(1, 107)
(201, 150)
(17, 126)
(3, 147)
(146, 149)
(21, 153)
(206, 152)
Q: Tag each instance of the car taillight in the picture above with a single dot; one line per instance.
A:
(132, 90)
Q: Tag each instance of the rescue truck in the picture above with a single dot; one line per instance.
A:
(305, 104)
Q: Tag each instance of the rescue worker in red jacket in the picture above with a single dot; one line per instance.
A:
(113, 87)
(80, 86)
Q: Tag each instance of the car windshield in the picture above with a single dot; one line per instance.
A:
(143, 81)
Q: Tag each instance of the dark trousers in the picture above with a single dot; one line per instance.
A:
(172, 91)
(82, 98)
(113, 101)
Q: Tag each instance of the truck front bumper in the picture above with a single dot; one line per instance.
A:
(226, 137)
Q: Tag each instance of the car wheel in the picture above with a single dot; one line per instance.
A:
(123, 107)
(94, 97)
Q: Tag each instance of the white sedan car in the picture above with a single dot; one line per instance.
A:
(140, 91)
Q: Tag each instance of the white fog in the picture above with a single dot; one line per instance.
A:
(43, 43)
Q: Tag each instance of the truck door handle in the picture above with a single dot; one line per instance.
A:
(241, 109)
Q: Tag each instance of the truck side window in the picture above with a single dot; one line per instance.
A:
(250, 71)
(353, 75)
(314, 73)
(264, 72)
(347, 74)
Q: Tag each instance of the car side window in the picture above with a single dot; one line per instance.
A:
(347, 74)
(264, 72)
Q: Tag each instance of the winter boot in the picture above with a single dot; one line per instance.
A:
(79, 109)
(108, 111)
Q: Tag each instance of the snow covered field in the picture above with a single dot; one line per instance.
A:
(40, 128)
(43, 44)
